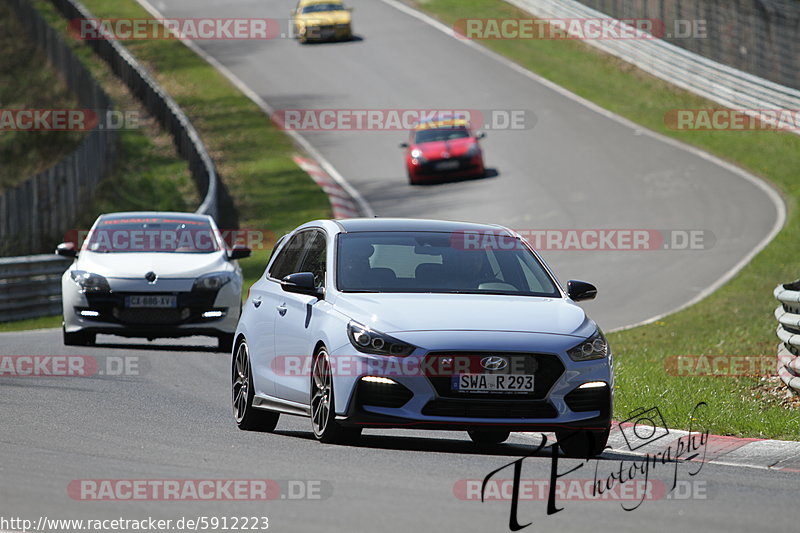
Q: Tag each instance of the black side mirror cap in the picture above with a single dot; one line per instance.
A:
(239, 252)
(580, 290)
(302, 283)
(481, 135)
(67, 249)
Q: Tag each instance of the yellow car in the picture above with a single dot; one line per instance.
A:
(322, 20)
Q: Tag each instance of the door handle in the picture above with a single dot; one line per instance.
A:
(282, 309)
(257, 301)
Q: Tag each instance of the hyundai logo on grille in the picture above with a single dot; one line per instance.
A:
(150, 277)
(494, 363)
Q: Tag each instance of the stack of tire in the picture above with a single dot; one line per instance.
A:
(788, 316)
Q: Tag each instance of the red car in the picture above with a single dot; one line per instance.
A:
(443, 149)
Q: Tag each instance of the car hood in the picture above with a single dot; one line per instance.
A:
(325, 18)
(165, 265)
(453, 148)
(396, 313)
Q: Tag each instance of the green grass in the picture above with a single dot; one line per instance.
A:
(31, 323)
(737, 406)
(26, 81)
(253, 157)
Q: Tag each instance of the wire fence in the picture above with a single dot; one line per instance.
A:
(35, 213)
(761, 37)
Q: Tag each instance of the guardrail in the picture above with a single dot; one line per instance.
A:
(720, 83)
(788, 316)
(30, 286)
(36, 212)
(216, 200)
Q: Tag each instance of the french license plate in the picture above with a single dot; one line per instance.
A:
(148, 300)
(446, 165)
(492, 383)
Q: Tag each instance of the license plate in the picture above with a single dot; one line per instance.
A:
(492, 383)
(446, 165)
(147, 300)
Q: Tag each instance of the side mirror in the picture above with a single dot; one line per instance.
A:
(403, 145)
(239, 252)
(302, 283)
(67, 249)
(580, 290)
(481, 135)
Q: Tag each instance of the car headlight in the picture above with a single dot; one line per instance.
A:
(89, 282)
(211, 282)
(368, 340)
(595, 347)
(416, 153)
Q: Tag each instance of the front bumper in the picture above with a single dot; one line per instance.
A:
(426, 402)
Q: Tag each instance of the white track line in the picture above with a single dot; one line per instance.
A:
(363, 206)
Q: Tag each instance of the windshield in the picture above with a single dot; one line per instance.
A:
(441, 134)
(457, 262)
(317, 8)
(152, 234)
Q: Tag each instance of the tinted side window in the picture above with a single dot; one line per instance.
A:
(289, 257)
(316, 259)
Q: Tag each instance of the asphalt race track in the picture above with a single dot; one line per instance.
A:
(169, 415)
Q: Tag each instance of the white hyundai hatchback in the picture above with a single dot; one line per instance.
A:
(376, 323)
(153, 275)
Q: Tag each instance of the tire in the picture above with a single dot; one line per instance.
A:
(323, 412)
(582, 443)
(79, 338)
(488, 436)
(225, 342)
(246, 416)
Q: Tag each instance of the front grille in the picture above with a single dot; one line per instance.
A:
(190, 307)
(545, 368)
(594, 399)
(489, 409)
(150, 316)
(383, 394)
(429, 167)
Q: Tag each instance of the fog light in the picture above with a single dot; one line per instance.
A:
(593, 385)
(89, 312)
(213, 314)
(377, 379)
(185, 313)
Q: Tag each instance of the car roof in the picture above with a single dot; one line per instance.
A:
(356, 225)
(154, 214)
(312, 2)
(447, 123)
